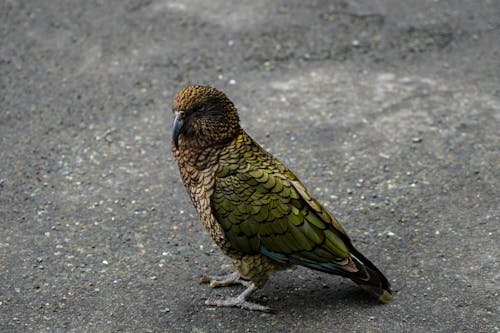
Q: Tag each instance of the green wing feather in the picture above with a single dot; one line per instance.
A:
(263, 208)
(262, 205)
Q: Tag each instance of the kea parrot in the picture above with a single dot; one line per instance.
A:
(254, 207)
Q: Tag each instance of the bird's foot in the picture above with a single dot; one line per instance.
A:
(237, 303)
(240, 301)
(224, 280)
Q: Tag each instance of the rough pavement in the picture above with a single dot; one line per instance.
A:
(387, 111)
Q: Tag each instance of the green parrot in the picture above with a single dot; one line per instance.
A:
(254, 208)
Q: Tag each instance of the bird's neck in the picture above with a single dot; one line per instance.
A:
(198, 153)
(199, 159)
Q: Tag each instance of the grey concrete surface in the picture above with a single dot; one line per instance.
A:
(387, 110)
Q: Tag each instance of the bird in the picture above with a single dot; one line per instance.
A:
(255, 209)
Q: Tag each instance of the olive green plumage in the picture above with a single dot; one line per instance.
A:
(256, 209)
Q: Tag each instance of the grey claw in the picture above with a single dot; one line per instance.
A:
(237, 303)
(224, 280)
(240, 301)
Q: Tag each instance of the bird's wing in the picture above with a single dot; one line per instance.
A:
(263, 209)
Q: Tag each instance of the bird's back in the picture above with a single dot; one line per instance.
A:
(264, 209)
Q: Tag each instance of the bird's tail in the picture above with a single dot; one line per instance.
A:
(370, 278)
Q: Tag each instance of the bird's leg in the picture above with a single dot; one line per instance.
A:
(240, 301)
(224, 280)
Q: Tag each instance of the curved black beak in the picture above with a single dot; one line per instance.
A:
(176, 130)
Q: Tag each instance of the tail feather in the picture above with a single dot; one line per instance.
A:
(370, 278)
(357, 268)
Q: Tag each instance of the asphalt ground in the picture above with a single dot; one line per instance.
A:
(388, 112)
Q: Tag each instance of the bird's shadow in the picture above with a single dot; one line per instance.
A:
(287, 293)
(311, 299)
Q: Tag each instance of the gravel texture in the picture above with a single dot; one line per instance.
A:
(387, 110)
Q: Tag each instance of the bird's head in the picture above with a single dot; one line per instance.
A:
(204, 117)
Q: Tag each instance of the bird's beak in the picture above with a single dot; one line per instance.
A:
(176, 130)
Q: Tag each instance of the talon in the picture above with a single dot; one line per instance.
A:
(224, 280)
(204, 279)
(240, 301)
(237, 303)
